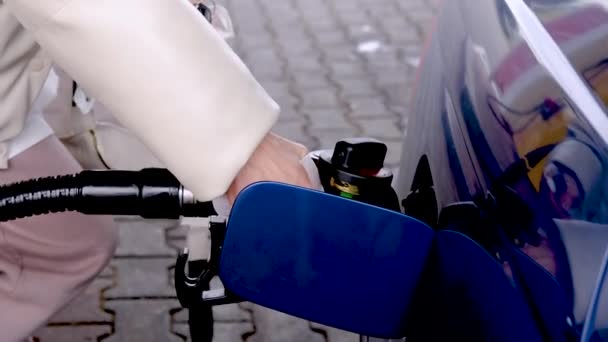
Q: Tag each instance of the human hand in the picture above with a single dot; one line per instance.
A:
(276, 159)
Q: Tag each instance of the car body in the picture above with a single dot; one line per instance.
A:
(502, 102)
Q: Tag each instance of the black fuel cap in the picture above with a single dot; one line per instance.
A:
(358, 155)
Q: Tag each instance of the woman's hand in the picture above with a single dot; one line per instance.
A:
(276, 159)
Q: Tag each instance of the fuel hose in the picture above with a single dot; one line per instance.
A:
(149, 193)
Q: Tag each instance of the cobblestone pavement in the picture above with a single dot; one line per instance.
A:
(338, 68)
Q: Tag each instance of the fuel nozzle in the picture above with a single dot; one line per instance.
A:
(355, 169)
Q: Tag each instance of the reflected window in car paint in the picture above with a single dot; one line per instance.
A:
(570, 175)
(574, 179)
(567, 187)
(564, 42)
(544, 125)
(571, 178)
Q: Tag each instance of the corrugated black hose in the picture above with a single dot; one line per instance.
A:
(149, 193)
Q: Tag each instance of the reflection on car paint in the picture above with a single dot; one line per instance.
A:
(518, 124)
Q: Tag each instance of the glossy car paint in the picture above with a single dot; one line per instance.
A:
(497, 103)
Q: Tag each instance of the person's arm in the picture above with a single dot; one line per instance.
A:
(166, 75)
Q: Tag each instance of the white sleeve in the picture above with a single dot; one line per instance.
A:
(166, 75)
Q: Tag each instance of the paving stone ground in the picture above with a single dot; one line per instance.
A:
(338, 68)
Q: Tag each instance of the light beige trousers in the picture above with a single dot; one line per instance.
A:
(46, 261)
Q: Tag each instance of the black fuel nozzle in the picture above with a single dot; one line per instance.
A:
(149, 193)
(355, 169)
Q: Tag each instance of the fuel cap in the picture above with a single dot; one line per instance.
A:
(361, 156)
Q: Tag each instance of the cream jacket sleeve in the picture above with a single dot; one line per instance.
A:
(166, 75)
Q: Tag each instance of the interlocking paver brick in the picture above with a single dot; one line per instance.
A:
(325, 119)
(380, 128)
(411, 54)
(343, 82)
(416, 9)
(249, 19)
(284, 30)
(255, 28)
(267, 71)
(353, 18)
(398, 94)
(382, 8)
(305, 81)
(340, 53)
(141, 277)
(320, 99)
(88, 306)
(222, 332)
(369, 108)
(140, 237)
(292, 32)
(300, 45)
(280, 13)
(309, 64)
(259, 57)
(321, 27)
(397, 37)
(328, 37)
(261, 41)
(347, 70)
(230, 313)
(387, 57)
(79, 333)
(392, 76)
(364, 32)
(142, 321)
(317, 16)
(357, 88)
(311, 54)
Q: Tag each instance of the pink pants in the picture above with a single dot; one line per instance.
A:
(48, 260)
